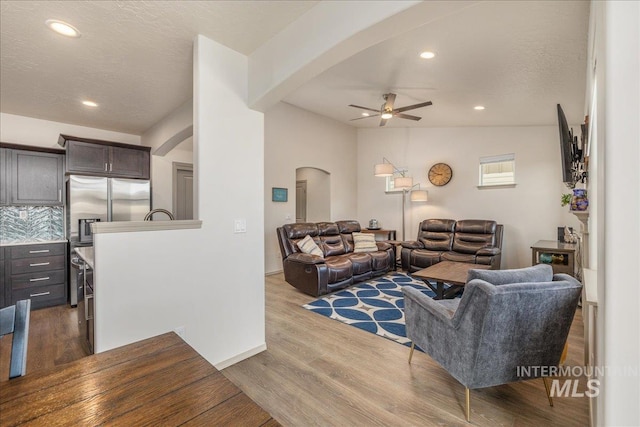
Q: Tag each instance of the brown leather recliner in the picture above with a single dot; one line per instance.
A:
(472, 241)
(340, 267)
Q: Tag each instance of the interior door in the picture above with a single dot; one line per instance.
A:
(301, 201)
(183, 190)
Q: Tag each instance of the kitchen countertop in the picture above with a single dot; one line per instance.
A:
(86, 253)
(31, 242)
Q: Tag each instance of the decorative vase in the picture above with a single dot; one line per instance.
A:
(579, 201)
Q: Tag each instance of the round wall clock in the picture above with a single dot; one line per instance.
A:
(440, 174)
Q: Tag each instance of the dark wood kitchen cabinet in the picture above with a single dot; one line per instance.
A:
(37, 272)
(31, 176)
(4, 175)
(36, 178)
(2, 278)
(105, 158)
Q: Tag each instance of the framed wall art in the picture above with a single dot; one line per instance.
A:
(279, 194)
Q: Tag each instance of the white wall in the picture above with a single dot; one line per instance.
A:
(162, 166)
(44, 133)
(229, 185)
(176, 121)
(531, 211)
(318, 193)
(297, 138)
(211, 280)
(620, 224)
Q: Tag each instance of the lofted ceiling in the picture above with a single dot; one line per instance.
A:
(517, 58)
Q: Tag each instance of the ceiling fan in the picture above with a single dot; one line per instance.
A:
(387, 111)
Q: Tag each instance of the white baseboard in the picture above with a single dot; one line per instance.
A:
(240, 357)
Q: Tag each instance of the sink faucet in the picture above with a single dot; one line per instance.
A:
(148, 216)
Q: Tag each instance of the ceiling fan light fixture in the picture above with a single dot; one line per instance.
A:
(386, 115)
(427, 55)
(62, 28)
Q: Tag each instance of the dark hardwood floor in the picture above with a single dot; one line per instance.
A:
(318, 371)
(53, 340)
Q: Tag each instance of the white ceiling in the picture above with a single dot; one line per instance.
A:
(135, 59)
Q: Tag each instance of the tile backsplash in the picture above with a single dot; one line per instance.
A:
(31, 223)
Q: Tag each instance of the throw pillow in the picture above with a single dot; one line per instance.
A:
(364, 242)
(308, 246)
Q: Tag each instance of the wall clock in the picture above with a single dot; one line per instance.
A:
(440, 174)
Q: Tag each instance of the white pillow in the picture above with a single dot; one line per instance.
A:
(364, 242)
(308, 246)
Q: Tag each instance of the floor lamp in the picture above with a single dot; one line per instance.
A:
(405, 183)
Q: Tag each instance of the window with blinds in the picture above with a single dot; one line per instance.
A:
(498, 170)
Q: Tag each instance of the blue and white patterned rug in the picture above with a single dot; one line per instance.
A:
(376, 306)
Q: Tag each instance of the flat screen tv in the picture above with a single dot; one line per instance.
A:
(566, 144)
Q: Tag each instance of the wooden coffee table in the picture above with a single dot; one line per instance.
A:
(449, 272)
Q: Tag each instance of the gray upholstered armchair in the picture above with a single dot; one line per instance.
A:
(505, 319)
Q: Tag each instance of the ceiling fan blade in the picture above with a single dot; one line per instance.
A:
(365, 117)
(390, 98)
(383, 122)
(364, 108)
(412, 107)
(407, 116)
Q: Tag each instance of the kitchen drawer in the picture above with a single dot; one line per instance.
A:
(41, 296)
(45, 249)
(30, 265)
(31, 280)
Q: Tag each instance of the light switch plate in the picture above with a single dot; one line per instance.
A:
(240, 226)
(24, 214)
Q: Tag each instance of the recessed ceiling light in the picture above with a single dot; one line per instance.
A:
(427, 55)
(89, 103)
(365, 114)
(62, 28)
(479, 107)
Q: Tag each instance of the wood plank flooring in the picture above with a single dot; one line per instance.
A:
(53, 340)
(321, 372)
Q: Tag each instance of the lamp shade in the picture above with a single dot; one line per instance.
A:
(383, 169)
(403, 182)
(419, 196)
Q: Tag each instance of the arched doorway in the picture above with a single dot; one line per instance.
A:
(313, 195)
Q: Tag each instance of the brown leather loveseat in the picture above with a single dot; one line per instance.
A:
(472, 241)
(339, 266)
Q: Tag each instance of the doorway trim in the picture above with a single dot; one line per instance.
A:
(178, 166)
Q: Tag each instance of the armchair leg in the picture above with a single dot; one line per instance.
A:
(467, 393)
(413, 346)
(548, 389)
(565, 350)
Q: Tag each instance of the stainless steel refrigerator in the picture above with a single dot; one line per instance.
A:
(103, 199)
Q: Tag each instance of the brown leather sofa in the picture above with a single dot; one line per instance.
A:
(340, 267)
(471, 240)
